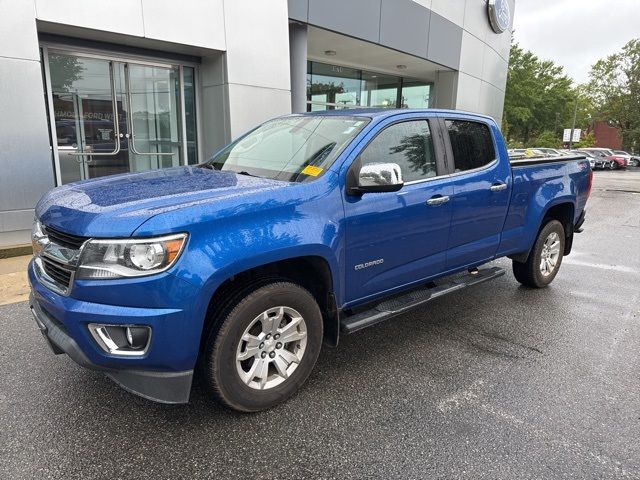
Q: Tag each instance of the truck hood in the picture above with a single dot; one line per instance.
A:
(116, 206)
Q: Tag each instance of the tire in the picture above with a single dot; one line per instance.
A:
(252, 335)
(532, 273)
(613, 166)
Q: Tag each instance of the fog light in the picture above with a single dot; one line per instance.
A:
(137, 337)
(127, 340)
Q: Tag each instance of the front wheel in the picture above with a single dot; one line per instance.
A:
(265, 348)
(613, 166)
(545, 258)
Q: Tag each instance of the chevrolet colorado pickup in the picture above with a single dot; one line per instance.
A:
(307, 227)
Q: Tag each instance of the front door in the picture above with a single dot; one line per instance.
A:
(113, 117)
(395, 239)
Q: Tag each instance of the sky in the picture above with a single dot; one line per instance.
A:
(576, 33)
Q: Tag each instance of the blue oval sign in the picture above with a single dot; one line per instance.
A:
(499, 15)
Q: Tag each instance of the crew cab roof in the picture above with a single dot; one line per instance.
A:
(388, 112)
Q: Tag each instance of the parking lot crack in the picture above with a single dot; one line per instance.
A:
(491, 343)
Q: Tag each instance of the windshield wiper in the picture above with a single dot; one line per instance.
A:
(207, 165)
(247, 174)
(213, 166)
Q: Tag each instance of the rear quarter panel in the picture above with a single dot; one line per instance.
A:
(536, 189)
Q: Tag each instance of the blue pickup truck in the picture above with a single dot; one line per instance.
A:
(307, 227)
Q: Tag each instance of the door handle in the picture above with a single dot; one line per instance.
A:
(438, 200)
(498, 187)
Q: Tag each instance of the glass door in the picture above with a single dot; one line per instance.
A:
(153, 103)
(85, 109)
(114, 117)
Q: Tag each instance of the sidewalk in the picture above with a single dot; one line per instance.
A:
(14, 286)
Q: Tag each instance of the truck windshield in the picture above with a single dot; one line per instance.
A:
(294, 149)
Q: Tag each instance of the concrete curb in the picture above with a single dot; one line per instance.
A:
(15, 251)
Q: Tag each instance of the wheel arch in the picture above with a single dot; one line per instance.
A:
(312, 272)
(563, 210)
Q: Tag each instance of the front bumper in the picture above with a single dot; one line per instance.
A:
(164, 387)
(164, 374)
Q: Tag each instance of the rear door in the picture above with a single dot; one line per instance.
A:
(481, 184)
(397, 238)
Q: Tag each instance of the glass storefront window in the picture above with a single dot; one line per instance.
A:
(190, 114)
(332, 86)
(379, 90)
(415, 95)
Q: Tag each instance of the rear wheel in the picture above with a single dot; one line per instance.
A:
(545, 258)
(613, 165)
(265, 348)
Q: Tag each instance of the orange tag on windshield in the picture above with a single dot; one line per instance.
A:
(312, 170)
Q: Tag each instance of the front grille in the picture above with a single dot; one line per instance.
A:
(57, 272)
(67, 240)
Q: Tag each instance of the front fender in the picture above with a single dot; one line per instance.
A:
(249, 262)
(226, 239)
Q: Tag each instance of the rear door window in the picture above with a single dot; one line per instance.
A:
(471, 143)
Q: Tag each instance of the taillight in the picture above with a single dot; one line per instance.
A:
(590, 184)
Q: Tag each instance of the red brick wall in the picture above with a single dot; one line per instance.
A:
(606, 136)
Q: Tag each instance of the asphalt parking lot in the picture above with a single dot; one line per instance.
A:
(496, 382)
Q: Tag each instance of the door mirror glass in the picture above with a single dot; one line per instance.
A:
(380, 177)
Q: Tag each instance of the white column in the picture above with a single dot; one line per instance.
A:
(257, 62)
(298, 60)
(446, 89)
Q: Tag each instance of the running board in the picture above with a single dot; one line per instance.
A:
(400, 304)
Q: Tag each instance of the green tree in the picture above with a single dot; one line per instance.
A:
(415, 149)
(547, 139)
(614, 90)
(586, 109)
(588, 140)
(539, 97)
(64, 71)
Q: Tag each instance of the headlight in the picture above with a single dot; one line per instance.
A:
(104, 259)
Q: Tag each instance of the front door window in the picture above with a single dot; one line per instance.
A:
(114, 117)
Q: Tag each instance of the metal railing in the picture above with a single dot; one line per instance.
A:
(343, 106)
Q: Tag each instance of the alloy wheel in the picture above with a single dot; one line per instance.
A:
(550, 254)
(271, 348)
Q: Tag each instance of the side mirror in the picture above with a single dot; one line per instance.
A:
(378, 177)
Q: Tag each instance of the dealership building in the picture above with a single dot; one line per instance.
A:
(91, 88)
